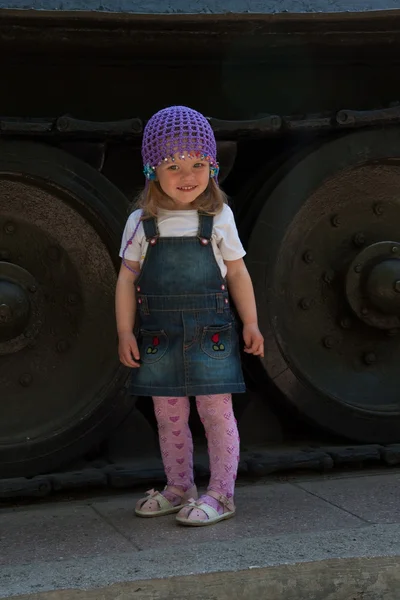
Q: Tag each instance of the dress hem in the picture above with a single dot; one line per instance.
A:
(200, 390)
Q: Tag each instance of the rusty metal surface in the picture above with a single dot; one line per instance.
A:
(114, 128)
(205, 6)
(326, 275)
(73, 271)
(59, 373)
(269, 125)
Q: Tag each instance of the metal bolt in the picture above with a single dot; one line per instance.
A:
(345, 323)
(343, 117)
(395, 249)
(358, 268)
(364, 311)
(392, 332)
(62, 124)
(72, 298)
(62, 346)
(369, 358)
(305, 303)
(359, 239)
(308, 257)
(276, 122)
(329, 341)
(378, 209)
(9, 228)
(32, 288)
(28, 333)
(26, 379)
(5, 313)
(335, 221)
(328, 276)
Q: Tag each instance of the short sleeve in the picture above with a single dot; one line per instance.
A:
(133, 250)
(227, 236)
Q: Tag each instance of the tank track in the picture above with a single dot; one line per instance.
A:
(99, 474)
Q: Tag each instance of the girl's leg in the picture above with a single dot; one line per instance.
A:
(176, 446)
(216, 414)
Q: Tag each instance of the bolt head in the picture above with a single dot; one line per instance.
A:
(305, 303)
(72, 298)
(335, 221)
(308, 257)
(329, 341)
(9, 228)
(328, 276)
(395, 249)
(345, 323)
(359, 239)
(369, 358)
(26, 379)
(392, 332)
(378, 209)
(358, 268)
(364, 311)
(62, 346)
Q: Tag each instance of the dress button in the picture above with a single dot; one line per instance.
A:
(153, 241)
(226, 301)
(138, 288)
(140, 301)
(204, 241)
(222, 287)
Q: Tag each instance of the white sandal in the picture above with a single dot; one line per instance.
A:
(212, 514)
(164, 505)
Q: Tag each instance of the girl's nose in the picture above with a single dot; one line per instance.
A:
(187, 176)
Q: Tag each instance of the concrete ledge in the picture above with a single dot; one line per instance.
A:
(301, 566)
(254, 464)
(340, 579)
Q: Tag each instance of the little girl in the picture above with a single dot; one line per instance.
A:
(181, 254)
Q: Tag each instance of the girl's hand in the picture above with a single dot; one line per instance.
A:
(253, 340)
(128, 350)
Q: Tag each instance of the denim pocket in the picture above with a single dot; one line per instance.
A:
(152, 345)
(216, 342)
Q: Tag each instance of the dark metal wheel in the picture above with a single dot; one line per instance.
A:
(60, 379)
(324, 256)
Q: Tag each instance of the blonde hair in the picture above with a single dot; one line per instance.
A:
(211, 201)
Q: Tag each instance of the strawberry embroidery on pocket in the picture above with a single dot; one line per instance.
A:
(153, 349)
(217, 345)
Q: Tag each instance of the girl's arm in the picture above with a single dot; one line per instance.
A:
(241, 290)
(125, 309)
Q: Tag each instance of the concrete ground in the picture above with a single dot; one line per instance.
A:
(311, 537)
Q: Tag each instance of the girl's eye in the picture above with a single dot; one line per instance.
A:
(198, 165)
(173, 168)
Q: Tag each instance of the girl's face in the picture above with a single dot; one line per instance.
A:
(183, 180)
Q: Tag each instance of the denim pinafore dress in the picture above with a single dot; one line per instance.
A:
(186, 331)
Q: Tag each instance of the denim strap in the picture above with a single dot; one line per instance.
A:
(205, 226)
(150, 228)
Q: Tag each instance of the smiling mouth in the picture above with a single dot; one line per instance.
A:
(187, 188)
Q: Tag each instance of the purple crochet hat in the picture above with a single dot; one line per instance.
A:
(178, 129)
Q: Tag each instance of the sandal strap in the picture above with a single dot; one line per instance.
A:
(174, 490)
(163, 502)
(209, 510)
(226, 502)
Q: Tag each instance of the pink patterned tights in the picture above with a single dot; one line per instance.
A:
(176, 443)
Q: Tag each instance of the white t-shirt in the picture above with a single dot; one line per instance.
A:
(181, 223)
